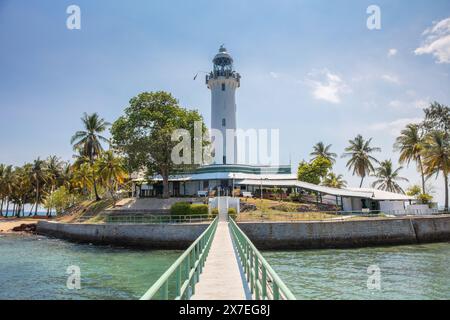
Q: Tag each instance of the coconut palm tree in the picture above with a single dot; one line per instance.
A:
(436, 157)
(88, 141)
(7, 185)
(2, 188)
(410, 145)
(387, 177)
(53, 167)
(39, 178)
(334, 181)
(361, 162)
(320, 150)
(112, 170)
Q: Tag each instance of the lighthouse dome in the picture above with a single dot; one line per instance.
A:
(223, 58)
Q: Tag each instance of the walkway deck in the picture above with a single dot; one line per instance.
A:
(221, 278)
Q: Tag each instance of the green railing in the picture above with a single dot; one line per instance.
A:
(264, 283)
(136, 219)
(185, 271)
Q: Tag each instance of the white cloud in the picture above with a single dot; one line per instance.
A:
(437, 41)
(274, 75)
(417, 104)
(327, 86)
(390, 78)
(392, 52)
(394, 127)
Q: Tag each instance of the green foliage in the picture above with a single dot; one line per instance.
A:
(361, 161)
(144, 133)
(232, 213)
(414, 190)
(59, 200)
(425, 198)
(214, 212)
(314, 171)
(199, 209)
(180, 209)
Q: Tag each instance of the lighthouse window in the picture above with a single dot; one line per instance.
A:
(224, 122)
(223, 86)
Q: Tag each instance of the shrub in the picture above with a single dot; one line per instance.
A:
(180, 209)
(232, 213)
(214, 212)
(199, 209)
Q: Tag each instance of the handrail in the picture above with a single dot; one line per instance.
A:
(186, 269)
(135, 219)
(265, 284)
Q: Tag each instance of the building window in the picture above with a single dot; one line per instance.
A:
(224, 122)
(223, 86)
(224, 160)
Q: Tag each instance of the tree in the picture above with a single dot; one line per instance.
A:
(387, 177)
(334, 181)
(361, 162)
(437, 118)
(436, 157)
(112, 171)
(88, 141)
(320, 150)
(416, 192)
(39, 178)
(144, 133)
(314, 171)
(410, 145)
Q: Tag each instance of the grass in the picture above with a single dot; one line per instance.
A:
(88, 211)
(271, 210)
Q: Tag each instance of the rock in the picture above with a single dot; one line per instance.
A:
(30, 228)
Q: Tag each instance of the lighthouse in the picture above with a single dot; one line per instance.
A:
(223, 81)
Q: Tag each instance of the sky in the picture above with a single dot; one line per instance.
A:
(310, 68)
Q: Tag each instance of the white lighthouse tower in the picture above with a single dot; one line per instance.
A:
(223, 82)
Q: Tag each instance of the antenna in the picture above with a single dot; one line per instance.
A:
(196, 75)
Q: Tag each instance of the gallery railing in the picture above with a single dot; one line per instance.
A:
(185, 271)
(137, 219)
(264, 283)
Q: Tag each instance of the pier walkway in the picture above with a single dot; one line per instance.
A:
(222, 277)
(222, 264)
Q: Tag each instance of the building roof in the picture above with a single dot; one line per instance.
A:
(366, 193)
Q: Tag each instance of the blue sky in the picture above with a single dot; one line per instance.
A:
(310, 68)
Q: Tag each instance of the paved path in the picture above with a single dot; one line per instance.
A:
(221, 278)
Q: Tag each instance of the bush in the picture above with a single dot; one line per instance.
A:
(232, 213)
(199, 209)
(180, 209)
(214, 212)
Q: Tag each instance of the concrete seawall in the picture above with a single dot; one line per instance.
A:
(155, 236)
(265, 235)
(347, 234)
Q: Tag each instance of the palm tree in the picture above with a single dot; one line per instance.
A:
(112, 170)
(334, 181)
(320, 150)
(410, 145)
(387, 177)
(53, 167)
(436, 157)
(2, 187)
(88, 142)
(7, 185)
(39, 177)
(360, 161)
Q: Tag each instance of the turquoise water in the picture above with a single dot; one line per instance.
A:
(34, 267)
(406, 272)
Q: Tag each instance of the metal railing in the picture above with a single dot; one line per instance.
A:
(138, 219)
(264, 283)
(185, 271)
